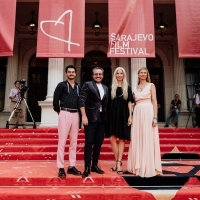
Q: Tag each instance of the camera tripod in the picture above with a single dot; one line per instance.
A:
(194, 124)
(15, 110)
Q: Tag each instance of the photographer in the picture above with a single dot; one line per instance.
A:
(196, 101)
(174, 110)
(18, 116)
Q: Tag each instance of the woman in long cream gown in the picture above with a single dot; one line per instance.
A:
(144, 151)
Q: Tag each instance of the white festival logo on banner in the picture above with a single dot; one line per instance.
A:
(60, 22)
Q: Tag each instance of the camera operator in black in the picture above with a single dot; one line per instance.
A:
(174, 110)
(196, 101)
(15, 96)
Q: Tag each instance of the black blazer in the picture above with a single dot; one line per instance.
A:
(90, 99)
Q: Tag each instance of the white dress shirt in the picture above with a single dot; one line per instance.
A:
(197, 99)
(101, 91)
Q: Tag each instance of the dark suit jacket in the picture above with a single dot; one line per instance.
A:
(90, 99)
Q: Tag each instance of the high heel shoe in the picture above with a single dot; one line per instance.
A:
(119, 162)
(119, 171)
(114, 169)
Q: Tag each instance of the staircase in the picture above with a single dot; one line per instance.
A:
(41, 144)
(28, 168)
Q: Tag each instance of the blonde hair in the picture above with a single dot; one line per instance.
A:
(115, 84)
(148, 79)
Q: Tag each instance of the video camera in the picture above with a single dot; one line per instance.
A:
(197, 86)
(23, 88)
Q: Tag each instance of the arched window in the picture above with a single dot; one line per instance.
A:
(37, 82)
(95, 59)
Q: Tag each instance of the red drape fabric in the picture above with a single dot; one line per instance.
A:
(7, 26)
(131, 28)
(61, 28)
(188, 28)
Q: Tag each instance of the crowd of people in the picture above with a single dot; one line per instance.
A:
(113, 112)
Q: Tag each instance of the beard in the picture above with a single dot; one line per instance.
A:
(70, 77)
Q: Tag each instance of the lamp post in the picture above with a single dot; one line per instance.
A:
(97, 26)
(162, 26)
(32, 25)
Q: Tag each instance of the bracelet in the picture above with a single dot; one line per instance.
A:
(155, 118)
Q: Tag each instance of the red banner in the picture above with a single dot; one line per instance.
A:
(131, 28)
(7, 26)
(61, 28)
(188, 28)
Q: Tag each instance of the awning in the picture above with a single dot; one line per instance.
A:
(188, 28)
(131, 28)
(61, 28)
(7, 26)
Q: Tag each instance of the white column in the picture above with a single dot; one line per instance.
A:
(179, 79)
(55, 75)
(11, 76)
(169, 87)
(136, 64)
(180, 88)
(123, 62)
(49, 117)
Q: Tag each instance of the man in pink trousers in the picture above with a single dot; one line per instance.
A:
(65, 103)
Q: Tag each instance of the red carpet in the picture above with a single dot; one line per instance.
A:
(41, 144)
(28, 169)
(38, 180)
(190, 191)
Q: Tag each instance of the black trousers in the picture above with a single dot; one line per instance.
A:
(197, 111)
(94, 136)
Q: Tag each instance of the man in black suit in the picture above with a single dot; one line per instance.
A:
(93, 101)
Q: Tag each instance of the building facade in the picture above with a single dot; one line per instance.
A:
(170, 74)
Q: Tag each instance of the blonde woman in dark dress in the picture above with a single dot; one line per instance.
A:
(119, 116)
